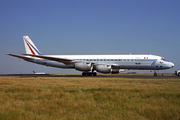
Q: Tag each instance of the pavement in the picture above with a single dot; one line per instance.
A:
(98, 76)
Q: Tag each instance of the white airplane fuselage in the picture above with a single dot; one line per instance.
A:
(138, 62)
(91, 64)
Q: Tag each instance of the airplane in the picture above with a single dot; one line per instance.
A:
(38, 72)
(90, 65)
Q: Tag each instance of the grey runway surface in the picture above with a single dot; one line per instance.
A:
(98, 76)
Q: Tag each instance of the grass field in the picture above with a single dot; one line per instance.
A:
(44, 98)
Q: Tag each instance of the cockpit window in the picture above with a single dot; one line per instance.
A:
(162, 58)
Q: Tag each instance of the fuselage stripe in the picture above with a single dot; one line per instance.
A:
(34, 48)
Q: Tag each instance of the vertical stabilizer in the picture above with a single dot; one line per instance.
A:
(30, 47)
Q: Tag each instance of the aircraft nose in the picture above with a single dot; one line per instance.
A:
(169, 65)
(172, 65)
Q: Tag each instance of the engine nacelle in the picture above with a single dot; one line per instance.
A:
(83, 66)
(103, 68)
(106, 69)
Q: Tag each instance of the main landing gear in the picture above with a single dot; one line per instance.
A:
(155, 73)
(89, 74)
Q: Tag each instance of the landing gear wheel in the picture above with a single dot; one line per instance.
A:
(178, 74)
(84, 74)
(89, 74)
(155, 74)
(94, 74)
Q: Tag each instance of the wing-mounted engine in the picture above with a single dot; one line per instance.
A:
(106, 69)
(103, 68)
(83, 66)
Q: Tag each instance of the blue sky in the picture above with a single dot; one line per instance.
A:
(88, 27)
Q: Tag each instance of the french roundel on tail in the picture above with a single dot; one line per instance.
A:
(30, 47)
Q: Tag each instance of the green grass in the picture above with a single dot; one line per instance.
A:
(44, 98)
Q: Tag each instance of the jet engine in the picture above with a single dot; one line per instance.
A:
(106, 69)
(103, 68)
(83, 66)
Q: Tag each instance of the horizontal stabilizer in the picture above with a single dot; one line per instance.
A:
(19, 56)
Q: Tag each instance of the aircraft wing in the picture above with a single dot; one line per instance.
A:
(62, 60)
(19, 56)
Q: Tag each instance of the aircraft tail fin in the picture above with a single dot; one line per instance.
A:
(30, 47)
